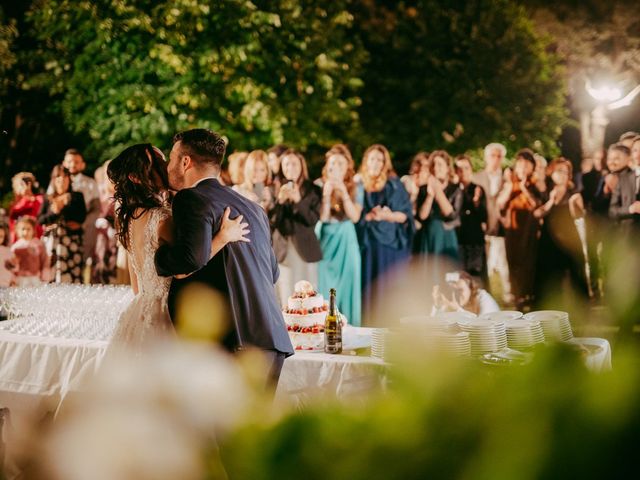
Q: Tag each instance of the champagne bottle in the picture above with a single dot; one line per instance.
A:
(332, 327)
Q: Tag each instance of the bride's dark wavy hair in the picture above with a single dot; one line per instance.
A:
(132, 173)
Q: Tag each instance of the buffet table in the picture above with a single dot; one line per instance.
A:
(60, 334)
(38, 370)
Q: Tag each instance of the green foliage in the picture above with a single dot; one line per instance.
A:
(440, 420)
(262, 72)
(8, 33)
(415, 75)
(458, 75)
(34, 135)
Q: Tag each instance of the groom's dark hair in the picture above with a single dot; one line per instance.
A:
(202, 145)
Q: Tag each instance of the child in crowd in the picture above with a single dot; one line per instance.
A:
(6, 266)
(29, 254)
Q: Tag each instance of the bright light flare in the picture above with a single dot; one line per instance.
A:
(604, 93)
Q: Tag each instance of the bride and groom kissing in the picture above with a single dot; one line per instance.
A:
(195, 240)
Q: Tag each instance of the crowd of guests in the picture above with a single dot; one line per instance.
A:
(63, 234)
(517, 232)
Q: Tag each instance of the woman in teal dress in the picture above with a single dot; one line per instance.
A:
(439, 204)
(341, 208)
(385, 230)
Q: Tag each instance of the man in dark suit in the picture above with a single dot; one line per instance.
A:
(625, 197)
(244, 273)
(625, 209)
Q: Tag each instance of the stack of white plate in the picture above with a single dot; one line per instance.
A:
(486, 336)
(379, 340)
(456, 344)
(453, 316)
(501, 315)
(523, 333)
(555, 324)
(425, 323)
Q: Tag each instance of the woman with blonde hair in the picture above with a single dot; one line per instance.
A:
(341, 208)
(256, 185)
(386, 227)
(234, 175)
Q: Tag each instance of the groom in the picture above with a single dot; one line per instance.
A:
(244, 272)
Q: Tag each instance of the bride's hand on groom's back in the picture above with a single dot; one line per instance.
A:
(235, 230)
(231, 230)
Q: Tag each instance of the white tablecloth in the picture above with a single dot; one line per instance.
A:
(45, 369)
(47, 366)
(51, 367)
(306, 376)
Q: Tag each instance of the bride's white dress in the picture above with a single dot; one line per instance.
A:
(146, 320)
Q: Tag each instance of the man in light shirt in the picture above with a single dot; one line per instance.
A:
(490, 179)
(74, 162)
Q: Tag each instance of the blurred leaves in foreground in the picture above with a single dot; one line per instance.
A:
(188, 412)
(439, 419)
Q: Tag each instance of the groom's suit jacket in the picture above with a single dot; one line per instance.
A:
(244, 273)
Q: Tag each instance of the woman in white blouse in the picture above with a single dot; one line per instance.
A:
(465, 295)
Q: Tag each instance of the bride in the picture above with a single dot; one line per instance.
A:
(143, 222)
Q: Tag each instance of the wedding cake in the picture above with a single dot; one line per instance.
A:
(304, 316)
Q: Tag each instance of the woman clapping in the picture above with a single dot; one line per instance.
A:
(62, 215)
(386, 227)
(439, 205)
(293, 219)
(518, 200)
(560, 249)
(341, 208)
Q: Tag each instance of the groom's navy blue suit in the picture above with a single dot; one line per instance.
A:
(245, 273)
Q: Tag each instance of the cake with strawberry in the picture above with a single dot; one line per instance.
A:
(305, 315)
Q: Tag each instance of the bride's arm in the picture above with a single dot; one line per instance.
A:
(230, 231)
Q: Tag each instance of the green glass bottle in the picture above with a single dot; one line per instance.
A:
(332, 327)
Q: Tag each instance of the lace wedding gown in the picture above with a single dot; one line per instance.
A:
(146, 320)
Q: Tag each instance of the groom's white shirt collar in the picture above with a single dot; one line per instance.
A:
(202, 180)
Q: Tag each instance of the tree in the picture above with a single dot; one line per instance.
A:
(458, 74)
(8, 33)
(34, 135)
(599, 44)
(414, 74)
(259, 72)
